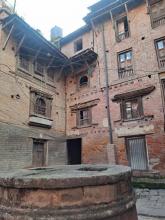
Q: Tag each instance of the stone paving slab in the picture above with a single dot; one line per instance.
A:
(149, 218)
(151, 203)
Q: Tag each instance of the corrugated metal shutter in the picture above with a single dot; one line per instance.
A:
(136, 147)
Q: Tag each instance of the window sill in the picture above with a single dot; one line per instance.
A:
(85, 126)
(145, 118)
(36, 120)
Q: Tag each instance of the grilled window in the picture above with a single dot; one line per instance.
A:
(132, 108)
(40, 106)
(125, 68)
(83, 81)
(160, 47)
(84, 117)
(24, 63)
(122, 29)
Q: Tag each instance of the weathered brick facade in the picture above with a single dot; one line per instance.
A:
(80, 112)
(146, 73)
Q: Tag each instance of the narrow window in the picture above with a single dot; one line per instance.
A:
(78, 45)
(40, 106)
(137, 153)
(83, 81)
(160, 47)
(84, 117)
(163, 85)
(39, 157)
(125, 68)
(122, 29)
(132, 109)
(38, 68)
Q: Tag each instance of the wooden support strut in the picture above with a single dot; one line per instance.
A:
(37, 53)
(19, 45)
(8, 37)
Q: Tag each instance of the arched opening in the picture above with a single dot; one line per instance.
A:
(83, 81)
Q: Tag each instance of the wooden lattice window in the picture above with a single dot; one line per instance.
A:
(132, 108)
(39, 68)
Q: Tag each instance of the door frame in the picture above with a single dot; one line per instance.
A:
(128, 152)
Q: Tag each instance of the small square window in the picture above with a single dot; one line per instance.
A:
(132, 109)
(78, 45)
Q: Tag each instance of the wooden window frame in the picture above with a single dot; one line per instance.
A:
(128, 69)
(76, 43)
(126, 34)
(79, 124)
(161, 60)
(140, 108)
(38, 72)
(34, 95)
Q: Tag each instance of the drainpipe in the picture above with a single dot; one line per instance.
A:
(107, 86)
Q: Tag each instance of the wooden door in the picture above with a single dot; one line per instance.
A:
(38, 153)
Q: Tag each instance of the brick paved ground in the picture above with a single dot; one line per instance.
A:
(151, 203)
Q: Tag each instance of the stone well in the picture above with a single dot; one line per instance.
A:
(86, 192)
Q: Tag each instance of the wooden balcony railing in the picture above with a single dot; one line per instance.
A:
(158, 21)
(125, 72)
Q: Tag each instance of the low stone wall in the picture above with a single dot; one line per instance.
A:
(68, 192)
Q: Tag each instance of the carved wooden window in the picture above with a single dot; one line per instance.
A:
(41, 104)
(160, 47)
(132, 108)
(84, 117)
(125, 66)
(24, 62)
(78, 45)
(122, 29)
(83, 81)
(157, 12)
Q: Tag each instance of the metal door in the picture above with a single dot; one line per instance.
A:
(38, 154)
(137, 154)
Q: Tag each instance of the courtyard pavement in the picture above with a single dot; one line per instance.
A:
(151, 204)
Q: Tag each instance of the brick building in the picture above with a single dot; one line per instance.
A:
(115, 103)
(101, 102)
(32, 102)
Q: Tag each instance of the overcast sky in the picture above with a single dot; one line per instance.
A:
(44, 14)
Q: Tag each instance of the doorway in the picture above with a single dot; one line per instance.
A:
(137, 153)
(39, 154)
(74, 150)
